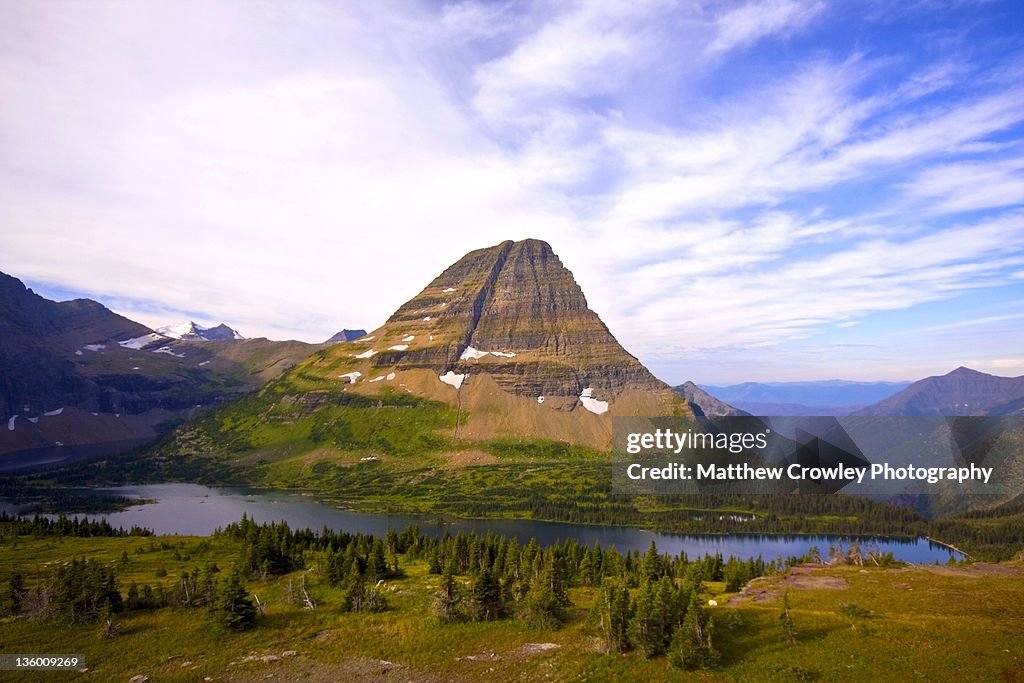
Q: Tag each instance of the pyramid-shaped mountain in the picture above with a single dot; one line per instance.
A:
(506, 334)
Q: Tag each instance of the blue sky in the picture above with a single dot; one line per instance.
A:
(749, 190)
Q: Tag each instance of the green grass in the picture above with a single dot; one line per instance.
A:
(908, 624)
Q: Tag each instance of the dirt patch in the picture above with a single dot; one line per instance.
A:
(471, 457)
(306, 669)
(977, 570)
(527, 651)
(532, 650)
(766, 589)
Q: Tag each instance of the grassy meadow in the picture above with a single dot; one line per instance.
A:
(849, 623)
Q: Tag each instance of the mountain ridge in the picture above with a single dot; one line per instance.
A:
(192, 331)
(963, 391)
(74, 373)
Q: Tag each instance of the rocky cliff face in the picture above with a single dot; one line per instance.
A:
(515, 313)
(506, 331)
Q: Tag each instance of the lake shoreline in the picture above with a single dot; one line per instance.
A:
(180, 509)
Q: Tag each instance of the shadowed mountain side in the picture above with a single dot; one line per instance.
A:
(75, 373)
(704, 404)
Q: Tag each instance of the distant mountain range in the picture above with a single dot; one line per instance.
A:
(192, 331)
(827, 397)
(961, 392)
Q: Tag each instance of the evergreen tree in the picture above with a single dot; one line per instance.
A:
(652, 567)
(643, 631)
(487, 603)
(447, 606)
(691, 646)
(657, 611)
(355, 593)
(611, 615)
(15, 589)
(376, 564)
(232, 608)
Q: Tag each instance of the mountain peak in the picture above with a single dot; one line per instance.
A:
(964, 371)
(346, 336)
(961, 392)
(515, 310)
(191, 331)
(505, 334)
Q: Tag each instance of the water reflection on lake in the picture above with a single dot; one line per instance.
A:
(190, 509)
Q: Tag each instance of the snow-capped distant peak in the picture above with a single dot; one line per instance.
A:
(191, 331)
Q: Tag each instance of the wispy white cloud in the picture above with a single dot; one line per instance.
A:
(969, 186)
(750, 22)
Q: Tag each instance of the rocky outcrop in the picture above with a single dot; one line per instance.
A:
(504, 335)
(705, 404)
(514, 312)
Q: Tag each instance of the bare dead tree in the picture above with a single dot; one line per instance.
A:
(307, 602)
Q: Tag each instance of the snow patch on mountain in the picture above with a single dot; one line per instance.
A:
(192, 331)
(139, 342)
(471, 354)
(591, 403)
(452, 378)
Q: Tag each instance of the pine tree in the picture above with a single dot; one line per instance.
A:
(611, 615)
(232, 608)
(448, 603)
(15, 590)
(435, 561)
(487, 604)
(652, 567)
(376, 564)
(355, 593)
(691, 646)
(643, 631)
